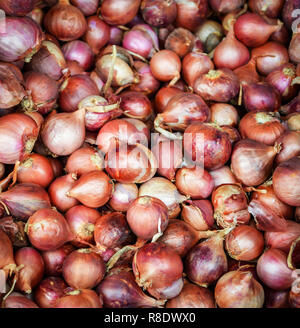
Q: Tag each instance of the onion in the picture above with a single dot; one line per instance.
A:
(123, 131)
(97, 33)
(217, 85)
(273, 271)
(261, 126)
(244, 243)
(226, 6)
(147, 216)
(164, 190)
(84, 298)
(19, 301)
(49, 291)
(247, 74)
(231, 53)
(7, 261)
(33, 269)
(294, 297)
(198, 213)
(283, 240)
(17, 8)
(158, 269)
(48, 230)
(191, 13)
(270, 56)
(181, 110)
(253, 30)
(293, 122)
(294, 48)
(206, 144)
(75, 89)
(210, 33)
(24, 199)
(81, 220)
(206, 262)
(53, 260)
(65, 21)
(83, 269)
(80, 52)
(14, 230)
(169, 156)
(238, 289)
(42, 92)
(11, 80)
(115, 36)
(130, 164)
(181, 41)
(118, 12)
(166, 66)
(63, 133)
(119, 290)
(194, 182)
(88, 7)
(287, 13)
(135, 105)
(84, 160)
(270, 9)
(285, 181)
(123, 195)
(147, 84)
(36, 169)
(56, 166)
(251, 161)
(18, 133)
(195, 64)
(159, 13)
(223, 175)
(21, 39)
(58, 192)
(49, 60)
(230, 205)
(276, 299)
(92, 189)
(163, 96)
(224, 114)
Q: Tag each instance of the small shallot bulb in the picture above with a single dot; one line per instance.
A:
(223, 175)
(239, 289)
(224, 114)
(147, 216)
(244, 243)
(181, 41)
(192, 296)
(83, 269)
(123, 195)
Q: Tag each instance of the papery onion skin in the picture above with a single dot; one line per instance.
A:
(277, 55)
(54, 260)
(224, 114)
(119, 290)
(244, 243)
(210, 33)
(251, 161)
(147, 216)
(225, 6)
(84, 160)
(135, 105)
(21, 38)
(19, 301)
(36, 169)
(192, 296)
(261, 126)
(82, 220)
(75, 270)
(237, 289)
(84, 298)
(88, 7)
(181, 41)
(212, 149)
(217, 85)
(273, 271)
(194, 182)
(270, 9)
(33, 270)
(285, 183)
(24, 199)
(65, 21)
(290, 143)
(7, 256)
(223, 175)
(79, 51)
(163, 96)
(166, 280)
(115, 12)
(166, 191)
(123, 195)
(63, 133)
(58, 192)
(49, 291)
(48, 230)
(17, 8)
(159, 13)
(293, 121)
